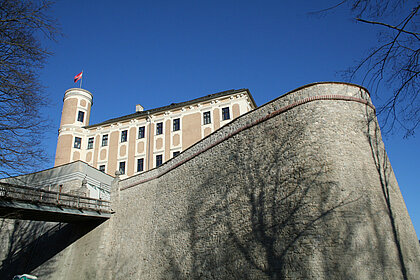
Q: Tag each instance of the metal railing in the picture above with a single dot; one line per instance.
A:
(41, 196)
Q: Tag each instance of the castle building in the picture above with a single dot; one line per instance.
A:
(145, 139)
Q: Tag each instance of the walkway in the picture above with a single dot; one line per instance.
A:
(27, 203)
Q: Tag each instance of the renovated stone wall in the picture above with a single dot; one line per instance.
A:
(299, 188)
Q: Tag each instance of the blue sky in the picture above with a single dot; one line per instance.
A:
(158, 52)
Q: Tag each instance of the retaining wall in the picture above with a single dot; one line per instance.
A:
(299, 188)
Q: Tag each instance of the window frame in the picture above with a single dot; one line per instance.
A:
(142, 129)
(176, 124)
(206, 117)
(90, 143)
(77, 140)
(225, 111)
(160, 157)
(80, 115)
(142, 164)
(106, 140)
(124, 136)
(121, 167)
(159, 128)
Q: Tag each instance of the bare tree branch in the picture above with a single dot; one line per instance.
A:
(23, 26)
(390, 26)
(392, 66)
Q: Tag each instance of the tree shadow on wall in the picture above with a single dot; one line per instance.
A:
(29, 244)
(388, 184)
(262, 212)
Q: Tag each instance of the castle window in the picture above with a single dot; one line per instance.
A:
(159, 160)
(90, 143)
(225, 113)
(104, 140)
(176, 153)
(206, 118)
(159, 128)
(77, 142)
(141, 132)
(123, 136)
(122, 167)
(102, 167)
(176, 124)
(140, 164)
(80, 116)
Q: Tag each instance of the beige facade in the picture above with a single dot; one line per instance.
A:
(142, 141)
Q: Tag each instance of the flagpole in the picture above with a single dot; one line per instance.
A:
(81, 79)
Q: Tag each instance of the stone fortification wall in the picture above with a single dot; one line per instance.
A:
(300, 188)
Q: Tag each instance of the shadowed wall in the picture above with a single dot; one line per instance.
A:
(299, 188)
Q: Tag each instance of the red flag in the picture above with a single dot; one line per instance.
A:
(78, 76)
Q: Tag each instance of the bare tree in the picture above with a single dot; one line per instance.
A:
(23, 27)
(393, 64)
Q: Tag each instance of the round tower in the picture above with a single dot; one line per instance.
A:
(77, 103)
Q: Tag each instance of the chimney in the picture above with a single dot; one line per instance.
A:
(139, 108)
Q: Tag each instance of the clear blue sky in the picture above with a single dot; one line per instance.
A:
(158, 52)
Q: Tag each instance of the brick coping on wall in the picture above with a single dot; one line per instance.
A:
(163, 169)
